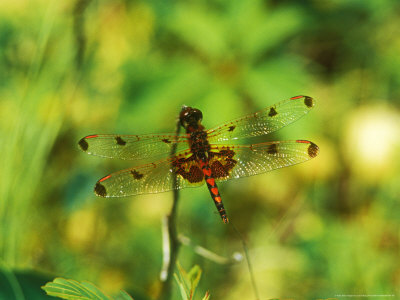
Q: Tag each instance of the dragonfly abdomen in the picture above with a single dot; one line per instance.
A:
(214, 191)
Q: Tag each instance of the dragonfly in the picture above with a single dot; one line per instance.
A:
(202, 156)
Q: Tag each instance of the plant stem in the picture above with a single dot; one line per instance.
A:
(170, 253)
(249, 265)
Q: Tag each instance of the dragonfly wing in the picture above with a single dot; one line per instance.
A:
(152, 178)
(235, 161)
(263, 122)
(132, 147)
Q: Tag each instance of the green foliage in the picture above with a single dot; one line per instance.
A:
(74, 290)
(72, 68)
(22, 285)
(188, 282)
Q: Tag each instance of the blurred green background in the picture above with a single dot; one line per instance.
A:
(319, 229)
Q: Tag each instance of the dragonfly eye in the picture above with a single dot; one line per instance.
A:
(190, 116)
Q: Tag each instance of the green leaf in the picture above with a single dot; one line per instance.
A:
(192, 278)
(71, 290)
(206, 296)
(123, 296)
(182, 287)
(182, 279)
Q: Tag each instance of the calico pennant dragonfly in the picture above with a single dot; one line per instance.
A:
(202, 156)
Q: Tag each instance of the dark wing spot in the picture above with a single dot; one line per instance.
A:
(100, 190)
(218, 170)
(136, 175)
(221, 163)
(308, 101)
(167, 141)
(194, 175)
(231, 128)
(83, 144)
(188, 169)
(272, 112)
(313, 150)
(272, 149)
(120, 141)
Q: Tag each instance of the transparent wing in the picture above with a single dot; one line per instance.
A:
(152, 178)
(263, 122)
(235, 161)
(132, 147)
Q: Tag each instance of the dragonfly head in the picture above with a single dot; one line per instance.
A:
(190, 117)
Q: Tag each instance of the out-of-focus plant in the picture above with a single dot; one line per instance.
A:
(74, 290)
(188, 282)
(128, 66)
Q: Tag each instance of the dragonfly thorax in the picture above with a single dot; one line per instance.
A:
(199, 144)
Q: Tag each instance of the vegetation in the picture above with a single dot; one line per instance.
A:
(321, 229)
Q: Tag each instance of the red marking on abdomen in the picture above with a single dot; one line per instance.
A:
(211, 181)
(207, 172)
(303, 141)
(104, 178)
(218, 199)
(214, 191)
(296, 97)
(202, 164)
(91, 136)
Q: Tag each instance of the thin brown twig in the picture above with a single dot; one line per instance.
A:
(235, 258)
(249, 265)
(171, 242)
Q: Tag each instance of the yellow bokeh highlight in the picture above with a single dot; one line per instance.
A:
(123, 33)
(81, 228)
(372, 141)
(149, 208)
(112, 280)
